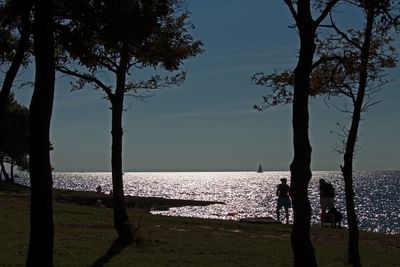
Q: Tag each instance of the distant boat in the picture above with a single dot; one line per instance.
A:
(260, 169)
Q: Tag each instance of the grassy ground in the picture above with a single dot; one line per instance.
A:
(85, 237)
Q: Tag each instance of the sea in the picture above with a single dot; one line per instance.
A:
(250, 194)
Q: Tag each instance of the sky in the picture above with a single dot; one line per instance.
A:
(208, 123)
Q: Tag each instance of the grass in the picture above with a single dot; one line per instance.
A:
(84, 236)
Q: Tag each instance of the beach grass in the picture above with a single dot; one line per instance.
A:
(84, 236)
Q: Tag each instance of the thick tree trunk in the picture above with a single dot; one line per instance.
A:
(19, 56)
(303, 250)
(121, 220)
(300, 177)
(40, 251)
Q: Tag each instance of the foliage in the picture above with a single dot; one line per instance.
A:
(101, 35)
(351, 63)
(106, 40)
(341, 55)
(10, 30)
(336, 69)
(14, 139)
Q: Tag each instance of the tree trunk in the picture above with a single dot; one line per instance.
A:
(1, 171)
(12, 165)
(347, 168)
(121, 220)
(40, 252)
(303, 250)
(347, 171)
(353, 248)
(19, 55)
(4, 171)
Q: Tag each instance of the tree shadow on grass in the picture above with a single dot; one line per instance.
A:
(116, 247)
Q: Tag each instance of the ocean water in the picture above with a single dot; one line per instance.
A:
(250, 194)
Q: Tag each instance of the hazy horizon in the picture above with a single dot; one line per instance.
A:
(189, 171)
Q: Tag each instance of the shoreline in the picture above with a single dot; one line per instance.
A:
(146, 204)
(90, 198)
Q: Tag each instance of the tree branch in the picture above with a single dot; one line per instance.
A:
(108, 63)
(343, 35)
(88, 78)
(324, 59)
(326, 11)
(291, 8)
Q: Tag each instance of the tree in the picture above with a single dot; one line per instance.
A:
(354, 63)
(41, 240)
(15, 32)
(303, 250)
(350, 63)
(307, 26)
(118, 37)
(14, 136)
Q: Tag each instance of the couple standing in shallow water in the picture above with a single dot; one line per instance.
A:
(327, 193)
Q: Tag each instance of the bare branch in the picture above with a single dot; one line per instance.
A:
(291, 8)
(343, 35)
(326, 11)
(89, 78)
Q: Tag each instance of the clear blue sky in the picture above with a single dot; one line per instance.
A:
(208, 123)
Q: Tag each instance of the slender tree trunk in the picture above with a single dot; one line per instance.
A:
(302, 247)
(40, 251)
(121, 220)
(12, 165)
(347, 168)
(4, 171)
(1, 171)
(353, 247)
(347, 171)
(19, 56)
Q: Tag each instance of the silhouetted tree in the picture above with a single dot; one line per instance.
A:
(40, 252)
(307, 26)
(352, 64)
(14, 136)
(15, 32)
(117, 37)
(303, 251)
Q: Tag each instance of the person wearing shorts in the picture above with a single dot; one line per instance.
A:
(282, 192)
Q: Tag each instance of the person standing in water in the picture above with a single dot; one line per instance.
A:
(282, 192)
(327, 197)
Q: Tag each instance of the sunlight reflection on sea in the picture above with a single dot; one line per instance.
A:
(250, 194)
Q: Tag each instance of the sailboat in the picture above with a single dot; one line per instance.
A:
(260, 169)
